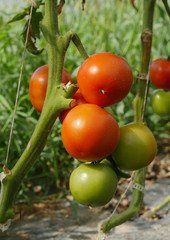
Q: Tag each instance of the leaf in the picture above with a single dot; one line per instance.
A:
(35, 23)
(34, 32)
(20, 16)
(5, 103)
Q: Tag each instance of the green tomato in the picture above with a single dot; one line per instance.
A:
(161, 102)
(137, 147)
(74, 75)
(93, 184)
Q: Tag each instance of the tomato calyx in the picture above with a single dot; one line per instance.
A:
(119, 173)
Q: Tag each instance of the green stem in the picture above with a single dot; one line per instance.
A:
(135, 205)
(165, 2)
(146, 43)
(159, 207)
(57, 99)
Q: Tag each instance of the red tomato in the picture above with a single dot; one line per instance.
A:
(104, 79)
(79, 100)
(159, 72)
(38, 85)
(89, 133)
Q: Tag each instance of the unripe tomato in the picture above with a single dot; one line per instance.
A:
(104, 79)
(159, 72)
(93, 184)
(79, 100)
(161, 102)
(38, 85)
(74, 75)
(89, 133)
(137, 147)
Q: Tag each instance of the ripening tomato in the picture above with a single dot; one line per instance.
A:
(89, 133)
(137, 147)
(93, 184)
(38, 85)
(161, 102)
(104, 79)
(159, 72)
(79, 100)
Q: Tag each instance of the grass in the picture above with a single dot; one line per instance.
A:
(113, 26)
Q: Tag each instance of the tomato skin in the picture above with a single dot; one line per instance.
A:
(38, 85)
(104, 79)
(93, 184)
(89, 133)
(137, 147)
(79, 100)
(161, 102)
(159, 73)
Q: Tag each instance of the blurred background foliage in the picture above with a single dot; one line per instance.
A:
(113, 26)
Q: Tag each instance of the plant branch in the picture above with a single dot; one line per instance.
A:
(165, 2)
(57, 99)
(133, 209)
(157, 208)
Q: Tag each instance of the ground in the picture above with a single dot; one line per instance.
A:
(54, 220)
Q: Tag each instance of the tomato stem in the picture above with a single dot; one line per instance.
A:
(119, 173)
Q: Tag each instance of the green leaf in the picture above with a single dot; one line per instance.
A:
(20, 16)
(4, 102)
(35, 23)
(34, 32)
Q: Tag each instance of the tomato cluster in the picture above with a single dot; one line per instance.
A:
(90, 133)
(159, 73)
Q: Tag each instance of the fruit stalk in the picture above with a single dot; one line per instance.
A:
(138, 104)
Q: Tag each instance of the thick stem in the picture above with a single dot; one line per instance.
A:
(146, 43)
(56, 100)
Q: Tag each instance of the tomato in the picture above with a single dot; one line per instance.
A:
(137, 147)
(89, 133)
(93, 184)
(161, 102)
(79, 100)
(74, 75)
(38, 85)
(104, 79)
(159, 72)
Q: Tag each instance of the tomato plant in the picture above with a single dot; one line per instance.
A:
(104, 79)
(79, 100)
(161, 102)
(89, 133)
(137, 147)
(38, 85)
(93, 184)
(159, 72)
